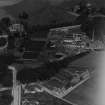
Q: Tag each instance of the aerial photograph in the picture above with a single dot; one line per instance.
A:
(52, 52)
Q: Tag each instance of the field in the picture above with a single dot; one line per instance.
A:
(85, 93)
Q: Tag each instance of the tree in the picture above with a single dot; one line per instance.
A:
(24, 15)
(6, 21)
(6, 98)
(102, 10)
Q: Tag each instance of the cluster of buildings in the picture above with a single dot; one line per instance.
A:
(67, 40)
(43, 93)
(67, 80)
(34, 94)
(13, 39)
(70, 41)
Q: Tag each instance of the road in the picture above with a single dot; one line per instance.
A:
(16, 90)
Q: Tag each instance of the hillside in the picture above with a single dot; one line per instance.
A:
(40, 12)
(44, 12)
(47, 11)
